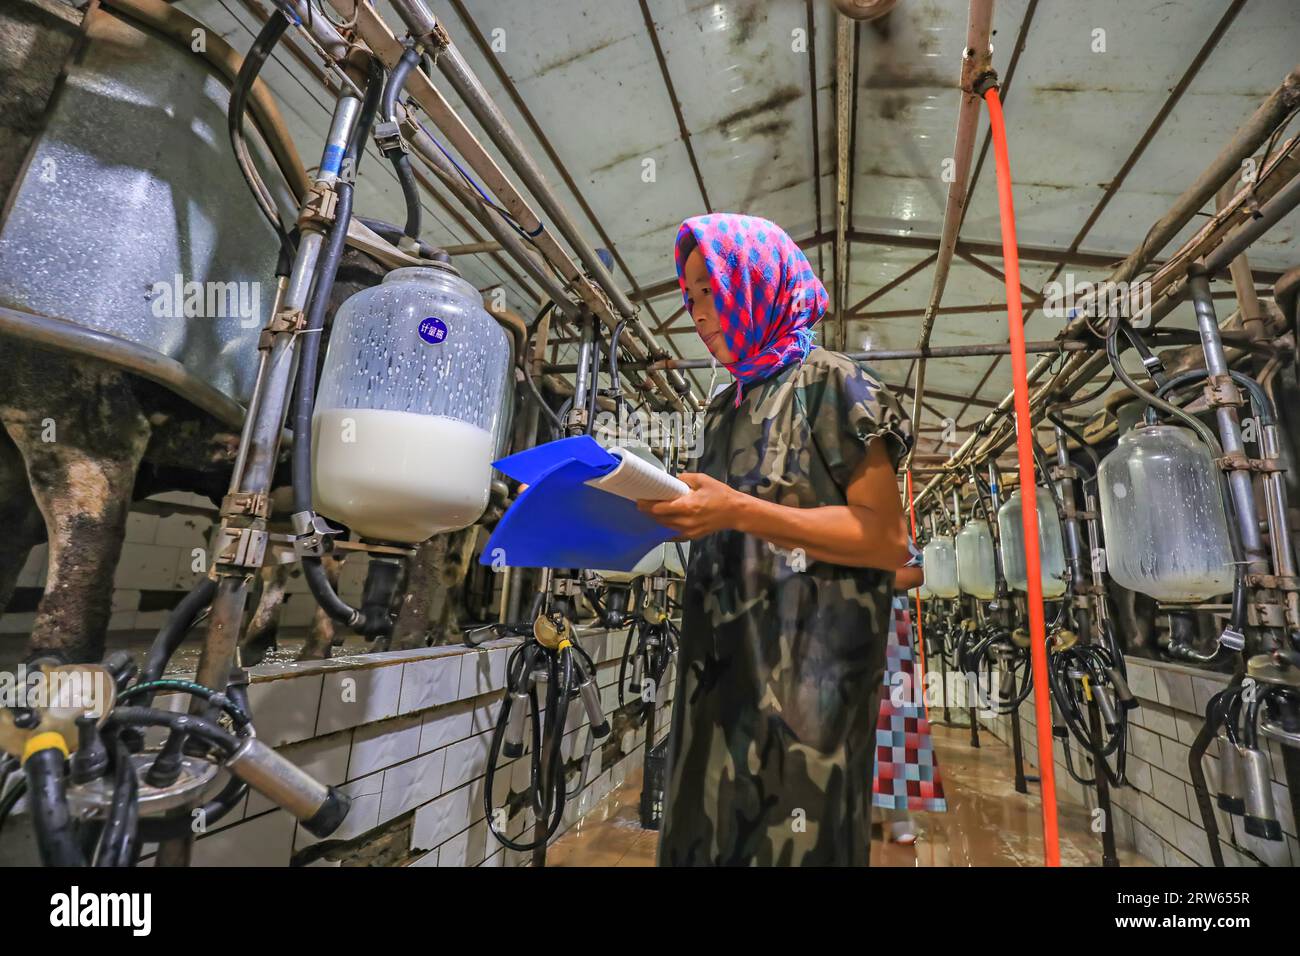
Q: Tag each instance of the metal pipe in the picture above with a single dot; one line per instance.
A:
(881, 355)
(1243, 283)
(976, 63)
(1239, 479)
(420, 21)
(320, 27)
(582, 382)
(425, 147)
(261, 432)
(1279, 528)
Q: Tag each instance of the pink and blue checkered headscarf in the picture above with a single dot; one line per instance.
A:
(764, 289)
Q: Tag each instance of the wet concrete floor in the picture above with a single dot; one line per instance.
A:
(987, 823)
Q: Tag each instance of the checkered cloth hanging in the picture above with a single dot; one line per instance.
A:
(907, 773)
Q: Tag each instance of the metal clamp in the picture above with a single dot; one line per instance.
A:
(255, 503)
(1237, 461)
(1063, 471)
(1221, 391)
(242, 547)
(311, 534)
(291, 321)
(570, 587)
(1278, 582)
(389, 139)
(318, 207)
(1266, 614)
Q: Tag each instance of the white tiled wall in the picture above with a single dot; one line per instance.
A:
(1157, 814)
(408, 732)
(158, 554)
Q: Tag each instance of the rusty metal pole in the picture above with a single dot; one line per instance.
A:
(976, 62)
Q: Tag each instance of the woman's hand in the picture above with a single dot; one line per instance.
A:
(709, 506)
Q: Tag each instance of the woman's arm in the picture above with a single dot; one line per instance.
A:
(908, 578)
(867, 532)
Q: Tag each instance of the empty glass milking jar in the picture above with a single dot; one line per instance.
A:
(976, 572)
(1163, 516)
(1051, 546)
(939, 563)
(413, 404)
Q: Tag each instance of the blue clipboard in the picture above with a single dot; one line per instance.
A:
(561, 522)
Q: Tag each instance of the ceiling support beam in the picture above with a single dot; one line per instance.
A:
(653, 32)
(544, 141)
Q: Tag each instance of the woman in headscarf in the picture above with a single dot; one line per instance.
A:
(795, 511)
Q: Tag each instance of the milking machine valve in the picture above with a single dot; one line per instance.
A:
(552, 655)
(97, 788)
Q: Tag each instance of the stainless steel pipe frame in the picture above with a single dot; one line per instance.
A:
(1229, 422)
(1218, 243)
(1277, 564)
(242, 537)
(875, 355)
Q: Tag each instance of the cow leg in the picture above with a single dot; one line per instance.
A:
(431, 611)
(412, 627)
(82, 437)
(24, 528)
(264, 623)
(324, 633)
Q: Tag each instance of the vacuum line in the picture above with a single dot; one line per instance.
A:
(1025, 456)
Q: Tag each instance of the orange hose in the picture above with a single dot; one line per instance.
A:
(1025, 456)
(920, 638)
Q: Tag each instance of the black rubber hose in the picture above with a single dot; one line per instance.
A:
(48, 799)
(118, 841)
(356, 148)
(258, 54)
(400, 160)
(304, 400)
(593, 385)
(173, 632)
(209, 732)
(394, 234)
(1259, 400)
(169, 828)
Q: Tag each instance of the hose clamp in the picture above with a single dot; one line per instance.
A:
(1221, 391)
(389, 139)
(318, 207)
(311, 534)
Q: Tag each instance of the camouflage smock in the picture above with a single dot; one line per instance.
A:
(781, 660)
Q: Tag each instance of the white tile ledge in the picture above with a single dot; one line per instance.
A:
(1177, 668)
(287, 669)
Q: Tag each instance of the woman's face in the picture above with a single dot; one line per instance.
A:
(699, 302)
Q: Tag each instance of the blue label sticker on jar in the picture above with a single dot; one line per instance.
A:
(433, 330)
